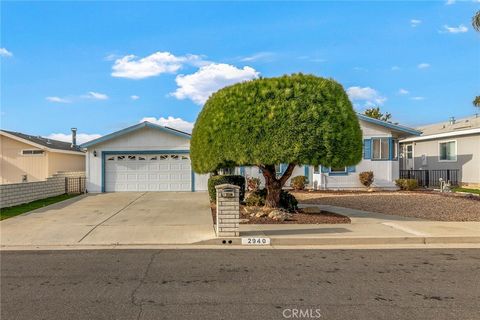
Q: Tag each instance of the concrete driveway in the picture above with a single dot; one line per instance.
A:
(114, 218)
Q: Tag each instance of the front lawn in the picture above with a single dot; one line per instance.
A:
(425, 205)
(22, 208)
(475, 191)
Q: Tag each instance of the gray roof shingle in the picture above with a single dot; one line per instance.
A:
(46, 142)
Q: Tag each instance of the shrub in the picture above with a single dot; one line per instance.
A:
(287, 200)
(407, 184)
(366, 178)
(222, 179)
(299, 182)
(255, 199)
(253, 184)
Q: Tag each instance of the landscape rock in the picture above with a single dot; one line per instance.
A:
(279, 215)
(312, 210)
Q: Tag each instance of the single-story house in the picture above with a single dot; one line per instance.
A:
(149, 157)
(448, 145)
(28, 158)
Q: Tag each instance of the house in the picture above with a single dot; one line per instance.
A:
(148, 157)
(380, 155)
(27, 158)
(449, 145)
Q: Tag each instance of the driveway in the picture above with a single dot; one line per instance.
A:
(114, 218)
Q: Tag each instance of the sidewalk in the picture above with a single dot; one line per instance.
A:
(366, 228)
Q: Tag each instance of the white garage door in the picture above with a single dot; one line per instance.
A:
(148, 172)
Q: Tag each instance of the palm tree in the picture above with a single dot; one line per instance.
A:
(476, 101)
(476, 21)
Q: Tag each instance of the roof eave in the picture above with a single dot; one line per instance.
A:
(389, 125)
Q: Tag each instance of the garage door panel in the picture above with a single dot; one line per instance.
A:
(148, 173)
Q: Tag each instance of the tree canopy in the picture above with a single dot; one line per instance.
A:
(374, 112)
(300, 119)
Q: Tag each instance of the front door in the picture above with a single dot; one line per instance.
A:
(409, 157)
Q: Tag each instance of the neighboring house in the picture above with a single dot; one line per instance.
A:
(148, 157)
(454, 144)
(26, 158)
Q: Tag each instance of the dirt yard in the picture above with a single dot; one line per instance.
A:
(426, 205)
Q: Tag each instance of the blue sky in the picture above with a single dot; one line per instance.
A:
(101, 66)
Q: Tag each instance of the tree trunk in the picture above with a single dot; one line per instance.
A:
(273, 185)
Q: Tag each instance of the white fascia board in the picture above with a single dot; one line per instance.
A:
(443, 135)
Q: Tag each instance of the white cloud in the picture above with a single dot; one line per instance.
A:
(403, 91)
(423, 65)
(95, 96)
(175, 123)
(450, 2)
(200, 85)
(460, 29)
(5, 53)
(81, 137)
(258, 56)
(368, 95)
(58, 99)
(131, 67)
(418, 98)
(395, 68)
(415, 22)
(134, 97)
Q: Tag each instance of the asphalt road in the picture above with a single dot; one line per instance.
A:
(241, 284)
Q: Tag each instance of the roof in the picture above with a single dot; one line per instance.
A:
(393, 126)
(445, 129)
(42, 142)
(136, 127)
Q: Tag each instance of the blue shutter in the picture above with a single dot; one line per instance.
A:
(325, 169)
(283, 167)
(351, 169)
(242, 171)
(390, 148)
(367, 148)
(306, 170)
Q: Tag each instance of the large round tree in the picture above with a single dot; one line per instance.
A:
(295, 119)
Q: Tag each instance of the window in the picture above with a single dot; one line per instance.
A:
(380, 149)
(141, 158)
(154, 158)
(448, 151)
(163, 157)
(395, 149)
(34, 152)
(174, 157)
(410, 151)
(316, 169)
(338, 169)
(120, 158)
(110, 158)
(132, 157)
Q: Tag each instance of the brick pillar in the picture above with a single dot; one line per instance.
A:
(228, 210)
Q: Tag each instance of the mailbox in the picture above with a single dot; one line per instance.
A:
(228, 193)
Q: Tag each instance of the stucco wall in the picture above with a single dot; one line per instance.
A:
(14, 165)
(468, 157)
(63, 162)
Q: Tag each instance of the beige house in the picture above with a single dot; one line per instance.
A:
(449, 145)
(26, 158)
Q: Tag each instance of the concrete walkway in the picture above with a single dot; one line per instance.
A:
(114, 218)
(366, 228)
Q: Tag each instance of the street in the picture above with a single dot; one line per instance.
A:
(241, 284)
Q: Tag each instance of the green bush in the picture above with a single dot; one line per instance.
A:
(287, 200)
(366, 178)
(222, 179)
(407, 184)
(299, 182)
(255, 199)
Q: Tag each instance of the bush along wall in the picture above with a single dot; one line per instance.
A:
(223, 179)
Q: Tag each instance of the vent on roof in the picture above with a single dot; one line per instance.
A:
(451, 120)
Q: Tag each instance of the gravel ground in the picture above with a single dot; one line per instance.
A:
(426, 205)
(297, 218)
